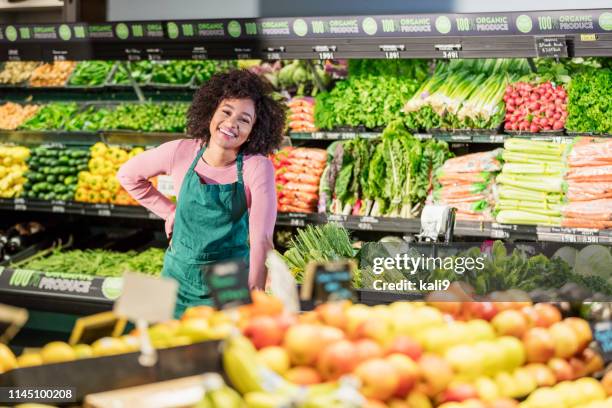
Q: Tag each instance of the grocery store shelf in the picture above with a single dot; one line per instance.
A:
(447, 36)
(350, 222)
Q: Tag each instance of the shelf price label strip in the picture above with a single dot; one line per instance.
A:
(274, 37)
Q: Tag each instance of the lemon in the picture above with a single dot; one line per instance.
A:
(29, 360)
(57, 352)
(7, 359)
(83, 351)
(108, 346)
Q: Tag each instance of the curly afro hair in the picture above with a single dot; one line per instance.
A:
(267, 131)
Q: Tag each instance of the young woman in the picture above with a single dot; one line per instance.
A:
(223, 181)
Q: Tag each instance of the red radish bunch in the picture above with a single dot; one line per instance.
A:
(534, 108)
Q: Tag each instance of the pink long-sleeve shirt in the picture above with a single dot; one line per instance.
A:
(174, 158)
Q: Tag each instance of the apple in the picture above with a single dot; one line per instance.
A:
(302, 375)
(368, 349)
(446, 302)
(545, 398)
(374, 403)
(473, 403)
(459, 392)
(606, 382)
(275, 358)
(561, 368)
(479, 330)
(405, 345)
(303, 342)
(539, 345)
(418, 399)
(379, 330)
(566, 340)
(486, 389)
(309, 317)
(264, 304)
(593, 361)
(465, 360)
(582, 330)
(355, 315)
(542, 374)
(285, 321)
(417, 321)
(481, 310)
(513, 352)
(263, 331)
(524, 381)
(436, 373)
(330, 335)
(510, 323)
(503, 403)
(398, 403)
(592, 388)
(333, 313)
(506, 384)
(378, 377)
(578, 367)
(337, 359)
(547, 314)
(408, 373)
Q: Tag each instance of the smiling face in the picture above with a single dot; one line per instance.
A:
(232, 122)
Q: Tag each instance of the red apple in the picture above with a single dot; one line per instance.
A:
(562, 369)
(285, 321)
(542, 374)
(592, 360)
(405, 345)
(566, 340)
(408, 373)
(367, 349)
(337, 359)
(374, 403)
(378, 378)
(582, 330)
(330, 335)
(303, 342)
(263, 331)
(539, 345)
(459, 392)
(503, 403)
(377, 329)
(579, 368)
(303, 375)
(510, 323)
(436, 373)
(481, 310)
(333, 313)
(547, 314)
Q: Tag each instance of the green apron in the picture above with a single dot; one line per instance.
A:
(211, 224)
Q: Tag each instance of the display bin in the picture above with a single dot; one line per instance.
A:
(99, 374)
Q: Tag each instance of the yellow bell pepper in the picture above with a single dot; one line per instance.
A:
(98, 150)
(95, 182)
(105, 196)
(81, 194)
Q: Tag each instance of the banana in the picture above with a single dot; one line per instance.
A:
(247, 374)
(225, 397)
(260, 399)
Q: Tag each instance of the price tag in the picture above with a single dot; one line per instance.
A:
(282, 282)
(328, 282)
(104, 212)
(499, 233)
(602, 333)
(91, 328)
(433, 221)
(496, 138)
(551, 46)
(449, 51)
(365, 226)
(58, 209)
(21, 207)
(229, 283)
(12, 320)
(392, 51)
(297, 222)
(325, 51)
(146, 298)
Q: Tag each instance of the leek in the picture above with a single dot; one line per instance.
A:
(535, 147)
(515, 157)
(513, 193)
(556, 169)
(527, 218)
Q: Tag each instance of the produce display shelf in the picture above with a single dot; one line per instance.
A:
(448, 36)
(113, 137)
(355, 223)
(450, 137)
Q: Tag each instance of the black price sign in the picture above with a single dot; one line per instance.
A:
(602, 333)
(91, 328)
(12, 320)
(229, 283)
(328, 282)
(551, 46)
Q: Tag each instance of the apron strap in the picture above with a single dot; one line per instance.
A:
(198, 157)
(239, 168)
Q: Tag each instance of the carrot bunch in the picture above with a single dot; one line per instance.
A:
(298, 172)
(301, 114)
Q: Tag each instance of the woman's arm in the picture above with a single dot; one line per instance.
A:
(134, 177)
(262, 218)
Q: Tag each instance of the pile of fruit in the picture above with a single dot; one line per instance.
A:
(298, 172)
(51, 116)
(98, 184)
(16, 72)
(13, 115)
(12, 168)
(148, 117)
(53, 172)
(52, 74)
(534, 108)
